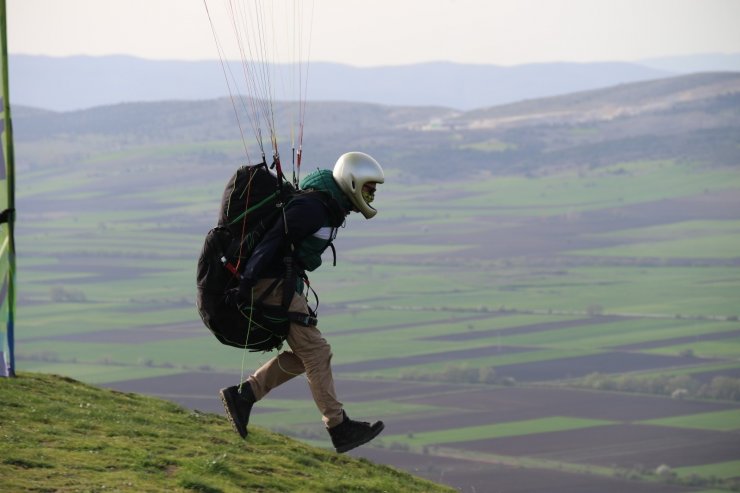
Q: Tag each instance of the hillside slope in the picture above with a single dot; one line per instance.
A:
(59, 434)
(625, 100)
(689, 118)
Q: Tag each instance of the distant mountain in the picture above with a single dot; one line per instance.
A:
(609, 104)
(686, 64)
(71, 83)
(692, 118)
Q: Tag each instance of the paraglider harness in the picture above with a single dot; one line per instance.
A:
(252, 202)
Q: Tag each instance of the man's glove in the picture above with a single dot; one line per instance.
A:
(240, 296)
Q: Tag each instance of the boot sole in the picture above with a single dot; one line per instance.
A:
(350, 446)
(230, 413)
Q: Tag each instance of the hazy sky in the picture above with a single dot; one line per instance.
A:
(391, 32)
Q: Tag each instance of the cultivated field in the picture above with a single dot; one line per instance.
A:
(494, 324)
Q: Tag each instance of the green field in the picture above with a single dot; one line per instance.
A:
(721, 421)
(469, 433)
(492, 284)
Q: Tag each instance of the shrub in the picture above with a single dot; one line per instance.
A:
(60, 294)
(677, 386)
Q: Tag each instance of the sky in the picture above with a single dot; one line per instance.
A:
(392, 32)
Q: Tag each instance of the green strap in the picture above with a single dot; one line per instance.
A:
(253, 208)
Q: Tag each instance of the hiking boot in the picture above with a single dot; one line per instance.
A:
(350, 434)
(238, 406)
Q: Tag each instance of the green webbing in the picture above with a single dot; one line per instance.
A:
(246, 342)
(253, 208)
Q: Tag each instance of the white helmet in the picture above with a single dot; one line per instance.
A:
(352, 172)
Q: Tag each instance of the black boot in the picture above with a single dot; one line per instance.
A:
(350, 434)
(238, 406)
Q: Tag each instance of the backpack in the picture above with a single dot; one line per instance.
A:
(251, 203)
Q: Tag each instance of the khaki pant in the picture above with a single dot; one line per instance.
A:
(310, 353)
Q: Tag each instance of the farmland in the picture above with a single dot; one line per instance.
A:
(463, 349)
(565, 328)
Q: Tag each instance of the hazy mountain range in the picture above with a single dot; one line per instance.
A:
(692, 118)
(79, 82)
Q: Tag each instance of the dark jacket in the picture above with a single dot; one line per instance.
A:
(303, 216)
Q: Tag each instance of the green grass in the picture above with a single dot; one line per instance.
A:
(724, 470)
(718, 421)
(294, 412)
(679, 229)
(490, 145)
(574, 191)
(713, 491)
(63, 435)
(485, 362)
(629, 331)
(718, 367)
(715, 246)
(100, 373)
(725, 348)
(516, 428)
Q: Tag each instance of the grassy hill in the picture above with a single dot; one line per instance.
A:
(59, 434)
(688, 118)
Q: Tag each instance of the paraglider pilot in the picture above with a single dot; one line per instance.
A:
(307, 225)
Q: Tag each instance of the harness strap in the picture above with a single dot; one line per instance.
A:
(333, 253)
(313, 312)
(289, 284)
(303, 319)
